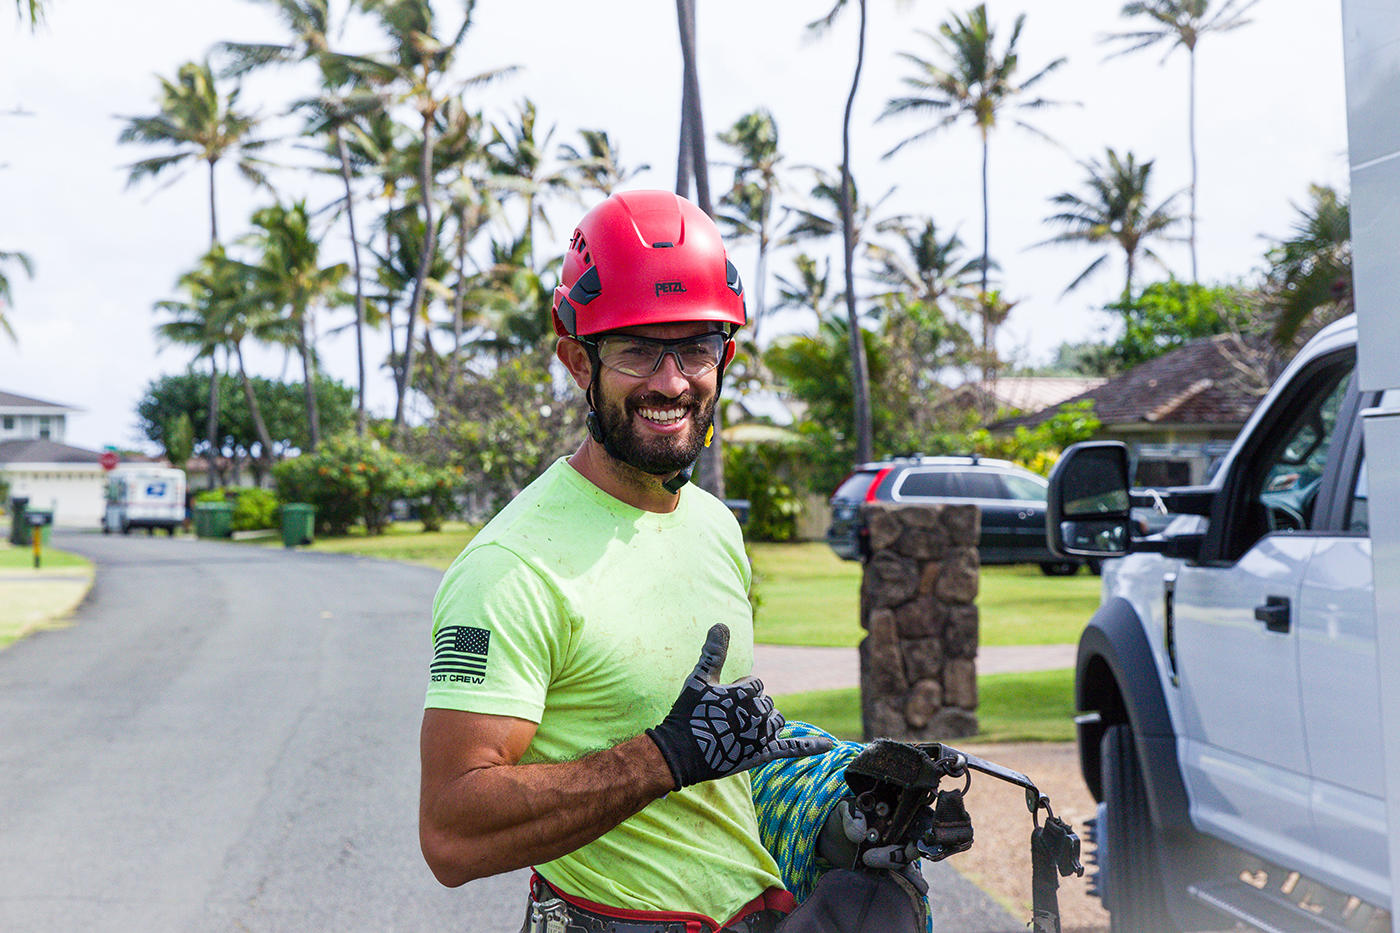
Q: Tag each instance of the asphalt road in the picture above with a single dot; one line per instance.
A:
(226, 739)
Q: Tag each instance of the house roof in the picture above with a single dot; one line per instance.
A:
(1032, 393)
(14, 400)
(1198, 383)
(35, 450)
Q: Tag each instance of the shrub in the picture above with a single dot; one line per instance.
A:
(254, 509)
(433, 493)
(351, 480)
(761, 473)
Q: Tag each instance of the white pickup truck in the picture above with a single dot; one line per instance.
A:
(1229, 684)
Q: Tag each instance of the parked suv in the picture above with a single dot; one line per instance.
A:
(1228, 685)
(1011, 499)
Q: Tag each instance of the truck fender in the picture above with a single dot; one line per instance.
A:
(1116, 677)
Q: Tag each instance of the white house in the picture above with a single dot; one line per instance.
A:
(40, 467)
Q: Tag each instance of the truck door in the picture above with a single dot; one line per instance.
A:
(1340, 675)
(1244, 750)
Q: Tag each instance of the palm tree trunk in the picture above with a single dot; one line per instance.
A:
(254, 410)
(212, 426)
(213, 215)
(985, 264)
(459, 310)
(860, 379)
(360, 417)
(308, 370)
(420, 281)
(711, 477)
(1191, 136)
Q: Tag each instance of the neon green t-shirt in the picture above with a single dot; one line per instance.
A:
(585, 615)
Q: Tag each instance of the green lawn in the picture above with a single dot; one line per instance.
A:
(22, 558)
(404, 541)
(806, 595)
(809, 596)
(1036, 706)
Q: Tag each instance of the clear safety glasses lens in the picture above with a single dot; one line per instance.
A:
(642, 356)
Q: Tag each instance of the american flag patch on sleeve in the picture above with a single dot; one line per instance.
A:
(459, 654)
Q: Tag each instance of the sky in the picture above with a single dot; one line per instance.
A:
(1271, 119)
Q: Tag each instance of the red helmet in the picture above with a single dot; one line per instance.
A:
(645, 257)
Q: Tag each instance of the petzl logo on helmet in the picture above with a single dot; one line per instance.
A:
(669, 288)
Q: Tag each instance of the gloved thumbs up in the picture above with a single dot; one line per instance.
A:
(715, 730)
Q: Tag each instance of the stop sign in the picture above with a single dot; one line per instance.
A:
(108, 460)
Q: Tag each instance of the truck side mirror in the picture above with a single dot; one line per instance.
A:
(1087, 509)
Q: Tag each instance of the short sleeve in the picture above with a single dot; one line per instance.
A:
(499, 633)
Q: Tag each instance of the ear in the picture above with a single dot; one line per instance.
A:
(575, 359)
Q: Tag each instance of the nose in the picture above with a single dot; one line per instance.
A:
(668, 378)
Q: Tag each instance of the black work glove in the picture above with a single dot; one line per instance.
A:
(715, 730)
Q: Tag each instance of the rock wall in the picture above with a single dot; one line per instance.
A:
(918, 660)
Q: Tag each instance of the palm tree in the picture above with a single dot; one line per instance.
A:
(969, 79)
(341, 100)
(34, 9)
(1311, 270)
(6, 298)
(517, 157)
(1112, 207)
(198, 321)
(747, 208)
(221, 310)
(418, 64)
(809, 289)
(199, 123)
(1181, 23)
(860, 376)
(597, 163)
(922, 266)
(291, 279)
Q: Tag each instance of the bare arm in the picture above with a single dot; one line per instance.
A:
(480, 813)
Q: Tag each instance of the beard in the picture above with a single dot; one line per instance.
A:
(657, 455)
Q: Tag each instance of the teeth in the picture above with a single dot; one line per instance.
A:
(662, 415)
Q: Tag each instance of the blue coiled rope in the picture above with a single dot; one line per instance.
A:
(793, 797)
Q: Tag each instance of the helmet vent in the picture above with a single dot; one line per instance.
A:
(579, 245)
(663, 245)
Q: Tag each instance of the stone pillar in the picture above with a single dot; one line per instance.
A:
(918, 660)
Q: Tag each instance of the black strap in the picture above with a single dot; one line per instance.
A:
(1054, 852)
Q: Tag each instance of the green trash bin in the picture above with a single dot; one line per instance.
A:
(19, 529)
(298, 523)
(199, 516)
(213, 520)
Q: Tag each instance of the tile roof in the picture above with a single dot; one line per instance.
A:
(34, 450)
(14, 400)
(1198, 383)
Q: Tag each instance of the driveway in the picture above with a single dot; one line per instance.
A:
(226, 738)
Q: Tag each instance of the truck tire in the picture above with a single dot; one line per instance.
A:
(1131, 878)
(1060, 568)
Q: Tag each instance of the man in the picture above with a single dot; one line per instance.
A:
(553, 735)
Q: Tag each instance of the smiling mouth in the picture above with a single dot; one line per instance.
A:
(663, 416)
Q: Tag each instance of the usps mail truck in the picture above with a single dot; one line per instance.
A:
(144, 497)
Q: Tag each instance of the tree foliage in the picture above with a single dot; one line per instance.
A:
(167, 398)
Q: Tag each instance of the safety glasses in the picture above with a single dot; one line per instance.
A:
(642, 356)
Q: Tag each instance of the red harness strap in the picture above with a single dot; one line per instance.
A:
(775, 899)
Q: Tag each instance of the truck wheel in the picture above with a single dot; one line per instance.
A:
(1131, 880)
(126, 529)
(1060, 568)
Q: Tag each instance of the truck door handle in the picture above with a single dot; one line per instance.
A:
(1275, 613)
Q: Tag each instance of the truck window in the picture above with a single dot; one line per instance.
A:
(1284, 476)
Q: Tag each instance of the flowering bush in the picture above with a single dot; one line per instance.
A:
(354, 481)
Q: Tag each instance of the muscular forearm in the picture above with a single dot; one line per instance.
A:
(502, 817)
